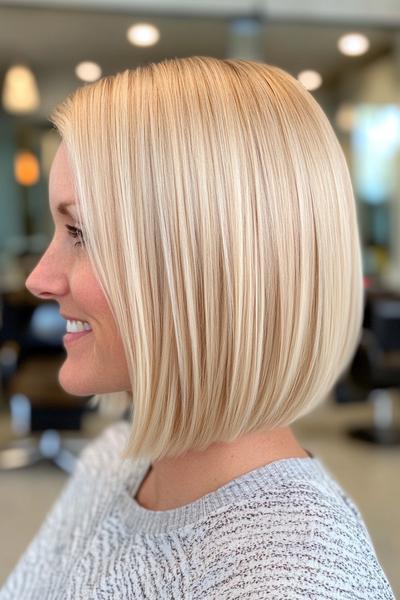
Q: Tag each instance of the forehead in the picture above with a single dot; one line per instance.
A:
(61, 182)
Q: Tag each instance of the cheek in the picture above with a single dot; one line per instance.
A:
(95, 307)
(87, 294)
(104, 358)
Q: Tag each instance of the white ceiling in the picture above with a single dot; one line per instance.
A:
(53, 40)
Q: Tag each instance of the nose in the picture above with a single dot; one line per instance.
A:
(48, 279)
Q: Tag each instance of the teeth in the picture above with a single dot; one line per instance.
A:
(75, 326)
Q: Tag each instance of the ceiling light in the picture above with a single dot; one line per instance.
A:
(353, 44)
(143, 34)
(20, 91)
(310, 79)
(88, 71)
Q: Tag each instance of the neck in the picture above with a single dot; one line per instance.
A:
(174, 482)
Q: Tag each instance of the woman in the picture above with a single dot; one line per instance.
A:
(215, 271)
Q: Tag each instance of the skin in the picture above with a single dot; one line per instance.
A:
(64, 274)
(171, 483)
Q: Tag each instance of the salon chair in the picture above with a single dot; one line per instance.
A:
(31, 354)
(375, 369)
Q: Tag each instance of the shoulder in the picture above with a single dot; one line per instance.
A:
(103, 453)
(294, 542)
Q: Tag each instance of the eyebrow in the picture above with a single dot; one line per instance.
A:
(62, 208)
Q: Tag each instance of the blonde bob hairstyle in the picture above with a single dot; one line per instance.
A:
(219, 217)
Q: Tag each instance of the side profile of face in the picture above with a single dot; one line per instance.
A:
(95, 362)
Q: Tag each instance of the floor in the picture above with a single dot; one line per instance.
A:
(369, 474)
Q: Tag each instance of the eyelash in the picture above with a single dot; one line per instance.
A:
(75, 232)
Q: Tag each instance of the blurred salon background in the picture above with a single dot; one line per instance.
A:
(348, 55)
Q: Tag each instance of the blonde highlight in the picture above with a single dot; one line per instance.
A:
(221, 223)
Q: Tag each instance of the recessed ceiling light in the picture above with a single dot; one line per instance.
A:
(88, 71)
(353, 44)
(311, 80)
(143, 34)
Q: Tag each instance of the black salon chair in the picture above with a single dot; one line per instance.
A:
(375, 369)
(31, 354)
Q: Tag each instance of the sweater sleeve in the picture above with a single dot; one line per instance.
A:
(67, 528)
(295, 552)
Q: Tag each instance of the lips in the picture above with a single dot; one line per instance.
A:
(73, 337)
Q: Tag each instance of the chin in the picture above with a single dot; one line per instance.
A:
(74, 384)
(75, 389)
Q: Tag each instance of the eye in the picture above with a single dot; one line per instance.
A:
(76, 233)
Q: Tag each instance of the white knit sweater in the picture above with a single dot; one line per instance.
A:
(285, 531)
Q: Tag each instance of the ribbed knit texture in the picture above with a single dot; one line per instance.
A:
(285, 531)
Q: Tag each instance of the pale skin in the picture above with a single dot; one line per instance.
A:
(175, 482)
(64, 274)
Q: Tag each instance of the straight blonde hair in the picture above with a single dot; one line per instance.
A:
(220, 220)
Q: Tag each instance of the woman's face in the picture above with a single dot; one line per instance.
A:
(95, 362)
